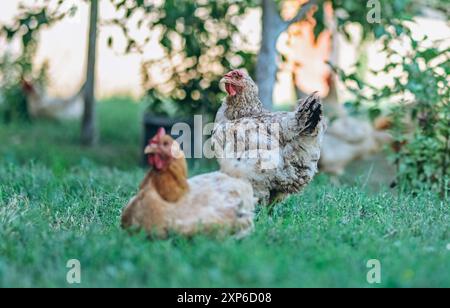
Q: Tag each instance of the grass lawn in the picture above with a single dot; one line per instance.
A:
(59, 201)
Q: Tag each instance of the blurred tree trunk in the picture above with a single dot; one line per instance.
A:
(332, 106)
(272, 26)
(89, 134)
(266, 67)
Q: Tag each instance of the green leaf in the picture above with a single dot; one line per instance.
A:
(42, 18)
(110, 42)
(320, 21)
(430, 54)
(10, 33)
(166, 42)
(27, 39)
(379, 31)
(374, 113)
(398, 30)
(130, 46)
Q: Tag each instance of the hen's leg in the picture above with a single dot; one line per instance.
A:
(262, 195)
(277, 196)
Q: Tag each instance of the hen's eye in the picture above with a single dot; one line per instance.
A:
(165, 143)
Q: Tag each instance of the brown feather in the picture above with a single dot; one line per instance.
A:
(171, 184)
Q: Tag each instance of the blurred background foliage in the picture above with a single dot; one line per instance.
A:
(13, 104)
(14, 69)
(201, 41)
(421, 114)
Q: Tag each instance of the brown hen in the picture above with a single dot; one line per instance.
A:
(168, 202)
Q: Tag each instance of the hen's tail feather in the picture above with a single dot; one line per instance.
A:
(309, 113)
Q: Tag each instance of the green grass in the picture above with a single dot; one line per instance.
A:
(59, 202)
(57, 145)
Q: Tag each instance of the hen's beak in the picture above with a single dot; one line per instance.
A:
(227, 80)
(222, 84)
(151, 149)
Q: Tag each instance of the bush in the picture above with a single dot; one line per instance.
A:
(14, 69)
(13, 103)
(420, 114)
(199, 42)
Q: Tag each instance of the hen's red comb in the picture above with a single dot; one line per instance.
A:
(234, 73)
(161, 133)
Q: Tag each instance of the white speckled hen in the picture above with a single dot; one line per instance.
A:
(277, 152)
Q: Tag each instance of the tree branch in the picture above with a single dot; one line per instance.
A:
(301, 13)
